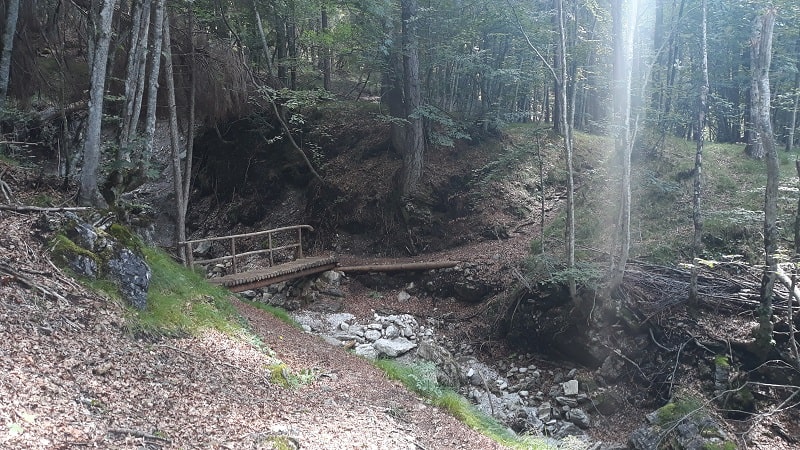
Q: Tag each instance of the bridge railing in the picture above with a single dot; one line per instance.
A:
(236, 256)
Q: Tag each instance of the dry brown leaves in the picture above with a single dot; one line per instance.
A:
(70, 376)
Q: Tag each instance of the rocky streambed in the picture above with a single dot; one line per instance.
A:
(523, 391)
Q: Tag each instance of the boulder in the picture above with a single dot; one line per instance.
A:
(570, 387)
(132, 275)
(578, 417)
(470, 291)
(393, 347)
(448, 372)
(83, 265)
(366, 351)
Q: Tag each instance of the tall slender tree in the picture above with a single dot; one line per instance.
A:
(175, 146)
(101, 14)
(761, 49)
(12, 15)
(702, 108)
(414, 139)
(622, 44)
(152, 84)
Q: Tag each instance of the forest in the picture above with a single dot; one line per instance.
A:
(208, 94)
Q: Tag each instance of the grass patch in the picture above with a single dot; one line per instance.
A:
(421, 379)
(281, 375)
(181, 301)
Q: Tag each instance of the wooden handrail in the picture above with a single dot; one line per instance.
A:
(243, 235)
(234, 256)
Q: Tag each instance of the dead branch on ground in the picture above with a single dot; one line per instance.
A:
(29, 208)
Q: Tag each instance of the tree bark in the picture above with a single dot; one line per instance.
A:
(761, 49)
(414, 139)
(399, 267)
(101, 15)
(326, 52)
(140, 29)
(566, 133)
(12, 15)
(152, 86)
(175, 147)
(263, 37)
(697, 219)
(187, 173)
(621, 128)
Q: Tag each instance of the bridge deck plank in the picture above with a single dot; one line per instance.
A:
(252, 279)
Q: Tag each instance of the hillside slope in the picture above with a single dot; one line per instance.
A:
(73, 375)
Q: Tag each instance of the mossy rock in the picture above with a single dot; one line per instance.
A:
(126, 237)
(677, 410)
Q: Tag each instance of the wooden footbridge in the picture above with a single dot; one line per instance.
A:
(279, 249)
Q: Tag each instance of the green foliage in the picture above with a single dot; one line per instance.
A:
(125, 237)
(421, 378)
(442, 129)
(62, 246)
(181, 301)
(678, 410)
(727, 445)
(282, 375)
(721, 361)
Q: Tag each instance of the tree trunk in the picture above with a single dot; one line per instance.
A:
(263, 37)
(697, 219)
(755, 142)
(141, 77)
(622, 43)
(326, 52)
(140, 28)
(152, 86)
(414, 139)
(761, 49)
(187, 173)
(175, 147)
(566, 128)
(12, 15)
(100, 19)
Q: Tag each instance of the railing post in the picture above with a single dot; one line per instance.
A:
(299, 242)
(187, 247)
(233, 253)
(271, 260)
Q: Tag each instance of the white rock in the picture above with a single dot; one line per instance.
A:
(372, 335)
(391, 332)
(332, 276)
(403, 296)
(366, 351)
(570, 387)
(393, 347)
